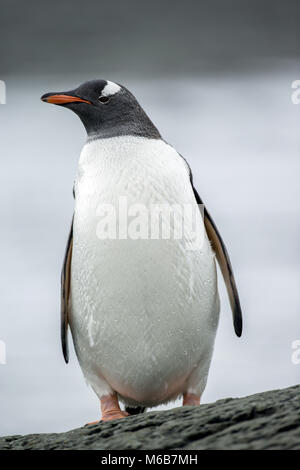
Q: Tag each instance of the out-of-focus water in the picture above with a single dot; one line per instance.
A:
(241, 137)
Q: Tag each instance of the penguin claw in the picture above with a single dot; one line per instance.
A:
(92, 422)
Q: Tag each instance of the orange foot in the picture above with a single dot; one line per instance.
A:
(110, 409)
(110, 415)
(190, 399)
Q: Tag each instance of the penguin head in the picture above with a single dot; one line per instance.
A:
(106, 109)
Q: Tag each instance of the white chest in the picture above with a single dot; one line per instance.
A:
(143, 170)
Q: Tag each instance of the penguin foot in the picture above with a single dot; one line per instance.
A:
(190, 399)
(110, 408)
(110, 415)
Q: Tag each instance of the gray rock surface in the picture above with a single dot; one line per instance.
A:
(269, 420)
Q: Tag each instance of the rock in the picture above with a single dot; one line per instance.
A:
(269, 420)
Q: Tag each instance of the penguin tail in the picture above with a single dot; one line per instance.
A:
(135, 410)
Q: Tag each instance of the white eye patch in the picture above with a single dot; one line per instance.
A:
(110, 88)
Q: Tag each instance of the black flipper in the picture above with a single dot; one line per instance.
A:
(65, 292)
(225, 265)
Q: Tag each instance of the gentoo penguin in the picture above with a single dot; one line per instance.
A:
(143, 311)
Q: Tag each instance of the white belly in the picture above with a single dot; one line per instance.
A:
(144, 312)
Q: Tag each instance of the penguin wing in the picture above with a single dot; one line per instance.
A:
(65, 292)
(225, 265)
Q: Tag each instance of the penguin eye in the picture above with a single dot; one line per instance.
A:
(103, 99)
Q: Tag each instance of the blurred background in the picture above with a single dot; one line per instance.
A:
(215, 77)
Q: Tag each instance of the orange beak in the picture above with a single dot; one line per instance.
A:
(63, 99)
